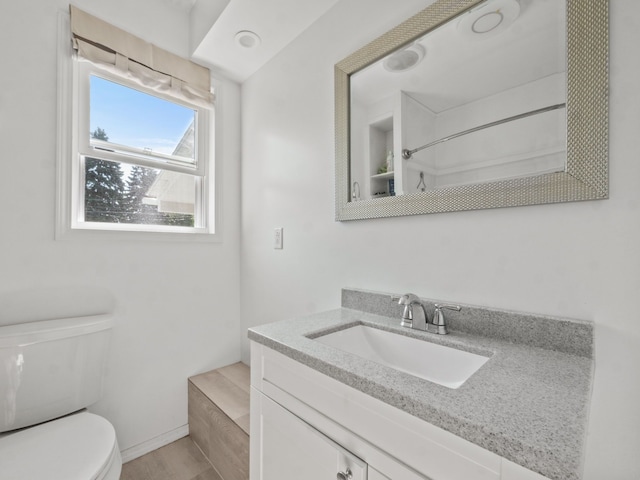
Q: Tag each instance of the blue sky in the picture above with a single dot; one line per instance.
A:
(133, 118)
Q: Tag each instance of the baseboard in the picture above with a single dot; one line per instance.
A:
(152, 444)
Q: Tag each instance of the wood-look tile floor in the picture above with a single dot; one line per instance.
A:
(180, 460)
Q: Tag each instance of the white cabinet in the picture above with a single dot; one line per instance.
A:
(512, 471)
(284, 447)
(302, 419)
(291, 449)
(376, 475)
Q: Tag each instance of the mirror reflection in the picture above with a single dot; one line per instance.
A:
(479, 99)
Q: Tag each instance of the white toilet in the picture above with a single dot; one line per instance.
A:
(49, 370)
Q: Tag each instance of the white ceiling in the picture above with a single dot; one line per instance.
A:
(276, 22)
(185, 5)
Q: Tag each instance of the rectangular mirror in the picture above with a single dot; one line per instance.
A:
(475, 104)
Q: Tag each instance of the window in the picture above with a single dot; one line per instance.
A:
(141, 160)
(135, 134)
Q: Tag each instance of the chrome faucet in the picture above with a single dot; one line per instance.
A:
(408, 300)
(421, 321)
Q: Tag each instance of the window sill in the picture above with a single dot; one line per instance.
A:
(150, 235)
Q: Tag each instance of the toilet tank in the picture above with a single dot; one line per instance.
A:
(51, 368)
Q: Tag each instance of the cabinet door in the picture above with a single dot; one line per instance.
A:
(376, 475)
(290, 449)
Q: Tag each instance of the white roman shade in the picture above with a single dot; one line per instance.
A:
(107, 45)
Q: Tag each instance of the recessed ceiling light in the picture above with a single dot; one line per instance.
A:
(404, 59)
(247, 39)
(489, 18)
(487, 22)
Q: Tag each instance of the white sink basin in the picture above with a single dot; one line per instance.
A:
(443, 365)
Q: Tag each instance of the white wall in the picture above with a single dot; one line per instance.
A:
(175, 303)
(579, 260)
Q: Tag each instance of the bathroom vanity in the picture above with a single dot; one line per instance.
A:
(321, 411)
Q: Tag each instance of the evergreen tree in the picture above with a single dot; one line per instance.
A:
(138, 184)
(100, 134)
(104, 187)
(109, 198)
(139, 181)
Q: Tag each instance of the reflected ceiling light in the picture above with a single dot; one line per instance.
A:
(489, 19)
(247, 39)
(487, 22)
(404, 59)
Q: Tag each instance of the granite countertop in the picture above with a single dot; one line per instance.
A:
(526, 403)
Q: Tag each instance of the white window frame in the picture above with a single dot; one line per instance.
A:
(74, 144)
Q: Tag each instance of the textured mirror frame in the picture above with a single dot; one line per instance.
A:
(586, 175)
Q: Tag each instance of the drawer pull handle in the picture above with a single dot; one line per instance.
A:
(344, 475)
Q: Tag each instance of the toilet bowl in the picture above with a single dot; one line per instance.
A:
(51, 369)
(81, 446)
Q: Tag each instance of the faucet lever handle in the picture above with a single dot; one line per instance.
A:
(438, 317)
(448, 306)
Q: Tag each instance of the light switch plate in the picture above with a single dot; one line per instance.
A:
(277, 238)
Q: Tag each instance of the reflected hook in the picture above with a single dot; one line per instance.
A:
(355, 192)
(421, 182)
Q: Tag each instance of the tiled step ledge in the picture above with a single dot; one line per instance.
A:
(219, 418)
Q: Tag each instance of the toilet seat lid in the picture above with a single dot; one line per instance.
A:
(76, 447)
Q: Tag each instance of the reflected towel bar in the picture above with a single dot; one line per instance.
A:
(407, 154)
